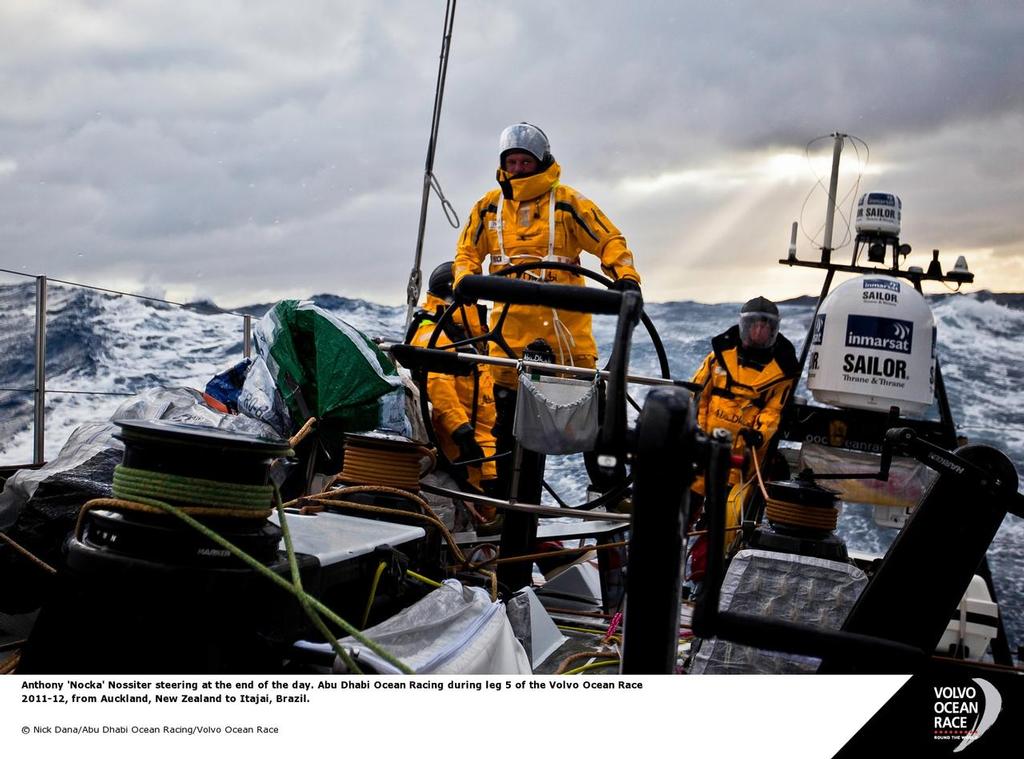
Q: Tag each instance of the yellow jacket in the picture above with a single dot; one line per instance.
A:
(459, 400)
(526, 223)
(737, 395)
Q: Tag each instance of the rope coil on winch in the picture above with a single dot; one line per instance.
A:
(366, 466)
(799, 515)
(235, 499)
(795, 514)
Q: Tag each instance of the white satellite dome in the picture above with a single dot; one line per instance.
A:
(873, 346)
(879, 213)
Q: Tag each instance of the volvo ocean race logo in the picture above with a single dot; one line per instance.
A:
(964, 712)
(879, 333)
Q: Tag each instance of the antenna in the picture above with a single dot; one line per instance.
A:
(792, 244)
(833, 184)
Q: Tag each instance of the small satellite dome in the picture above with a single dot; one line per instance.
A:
(879, 213)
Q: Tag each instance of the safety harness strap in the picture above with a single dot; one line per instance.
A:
(503, 260)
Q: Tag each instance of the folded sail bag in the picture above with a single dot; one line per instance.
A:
(557, 415)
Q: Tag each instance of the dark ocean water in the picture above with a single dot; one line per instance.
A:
(98, 342)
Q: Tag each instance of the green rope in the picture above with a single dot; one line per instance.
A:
(593, 665)
(300, 595)
(136, 484)
(373, 592)
(425, 580)
(293, 566)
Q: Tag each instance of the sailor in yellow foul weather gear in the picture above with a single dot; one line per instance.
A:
(531, 217)
(463, 407)
(746, 379)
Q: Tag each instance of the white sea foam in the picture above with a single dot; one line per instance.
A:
(106, 343)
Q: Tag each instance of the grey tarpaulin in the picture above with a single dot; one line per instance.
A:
(802, 589)
(557, 415)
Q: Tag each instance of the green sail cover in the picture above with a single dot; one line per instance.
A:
(326, 368)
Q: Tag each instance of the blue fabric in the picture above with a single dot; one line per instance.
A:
(226, 386)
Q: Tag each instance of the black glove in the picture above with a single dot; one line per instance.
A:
(753, 438)
(626, 285)
(458, 297)
(465, 438)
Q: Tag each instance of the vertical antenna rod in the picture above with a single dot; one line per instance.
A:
(833, 183)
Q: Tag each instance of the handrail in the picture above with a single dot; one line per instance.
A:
(62, 392)
(39, 389)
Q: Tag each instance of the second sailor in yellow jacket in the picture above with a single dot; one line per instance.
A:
(746, 379)
(463, 412)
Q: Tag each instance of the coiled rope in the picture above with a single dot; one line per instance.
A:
(794, 514)
(233, 499)
(799, 515)
(610, 658)
(393, 467)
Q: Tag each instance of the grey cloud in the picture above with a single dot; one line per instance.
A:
(269, 147)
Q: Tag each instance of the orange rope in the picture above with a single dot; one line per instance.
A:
(10, 664)
(428, 515)
(370, 466)
(796, 515)
(301, 435)
(549, 554)
(27, 554)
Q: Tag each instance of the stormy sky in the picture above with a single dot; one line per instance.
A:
(249, 151)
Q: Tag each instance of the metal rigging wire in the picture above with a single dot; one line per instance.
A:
(429, 180)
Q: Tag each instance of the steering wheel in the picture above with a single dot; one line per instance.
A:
(494, 335)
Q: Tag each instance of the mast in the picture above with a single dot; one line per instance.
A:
(429, 180)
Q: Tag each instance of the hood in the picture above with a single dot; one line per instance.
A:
(528, 188)
(783, 363)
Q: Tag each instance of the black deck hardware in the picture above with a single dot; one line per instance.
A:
(663, 466)
(902, 614)
(927, 569)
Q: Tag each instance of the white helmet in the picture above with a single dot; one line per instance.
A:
(526, 138)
